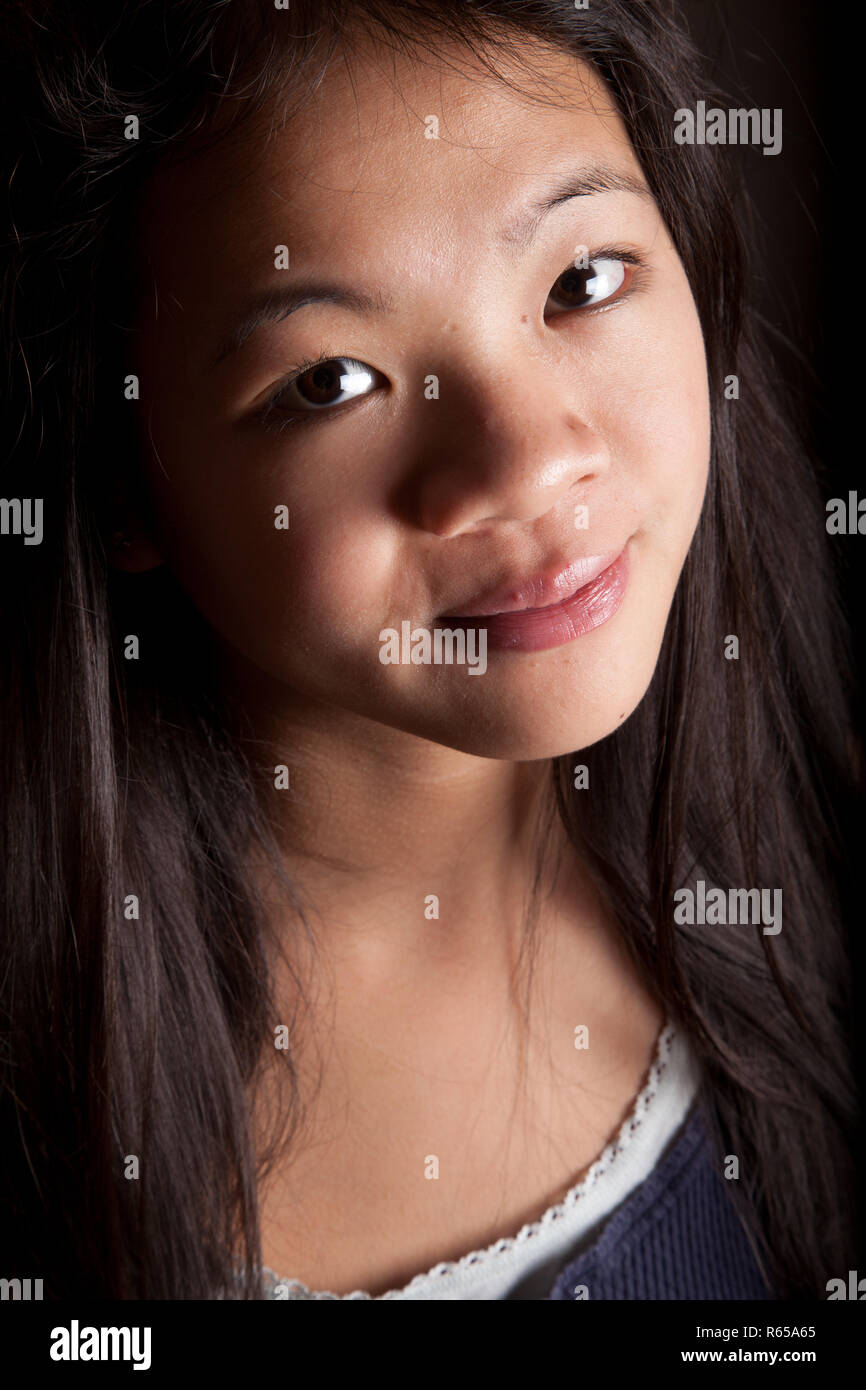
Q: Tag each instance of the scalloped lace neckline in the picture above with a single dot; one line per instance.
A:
(615, 1147)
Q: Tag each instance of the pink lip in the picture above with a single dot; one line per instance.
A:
(549, 588)
(590, 592)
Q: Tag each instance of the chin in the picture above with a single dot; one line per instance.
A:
(522, 736)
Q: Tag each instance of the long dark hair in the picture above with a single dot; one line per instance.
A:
(144, 1038)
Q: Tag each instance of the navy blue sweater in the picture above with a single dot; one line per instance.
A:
(677, 1236)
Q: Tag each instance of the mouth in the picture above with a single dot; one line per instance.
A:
(553, 608)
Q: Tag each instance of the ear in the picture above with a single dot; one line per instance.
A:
(130, 545)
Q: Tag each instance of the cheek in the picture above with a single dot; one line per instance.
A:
(326, 581)
(272, 591)
(668, 448)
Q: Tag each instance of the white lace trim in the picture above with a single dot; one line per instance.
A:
(617, 1146)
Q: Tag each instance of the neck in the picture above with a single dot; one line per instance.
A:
(398, 843)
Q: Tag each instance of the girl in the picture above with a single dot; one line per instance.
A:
(420, 750)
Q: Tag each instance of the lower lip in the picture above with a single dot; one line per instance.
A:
(541, 629)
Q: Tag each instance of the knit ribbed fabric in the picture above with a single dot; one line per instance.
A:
(677, 1237)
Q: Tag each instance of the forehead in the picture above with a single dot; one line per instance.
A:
(383, 129)
(409, 156)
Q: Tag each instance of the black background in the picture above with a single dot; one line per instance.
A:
(805, 267)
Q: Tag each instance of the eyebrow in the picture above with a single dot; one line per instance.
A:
(599, 178)
(274, 306)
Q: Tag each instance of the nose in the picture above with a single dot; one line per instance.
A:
(505, 445)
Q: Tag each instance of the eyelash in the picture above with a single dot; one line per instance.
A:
(268, 414)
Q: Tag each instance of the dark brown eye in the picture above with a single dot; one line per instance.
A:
(579, 288)
(327, 384)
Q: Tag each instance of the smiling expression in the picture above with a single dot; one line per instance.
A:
(510, 394)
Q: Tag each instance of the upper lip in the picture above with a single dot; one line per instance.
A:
(558, 581)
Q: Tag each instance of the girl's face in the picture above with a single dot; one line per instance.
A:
(517, 385)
